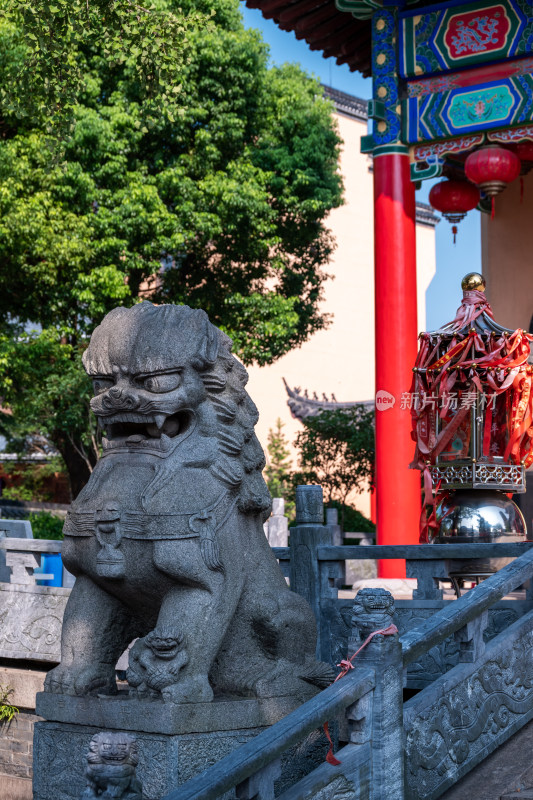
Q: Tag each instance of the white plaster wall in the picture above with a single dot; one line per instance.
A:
(507, 247)
(340, 359)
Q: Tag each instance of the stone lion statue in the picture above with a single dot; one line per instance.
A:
(167, 534)
(373, 610)
(154, 663)
(111, 761)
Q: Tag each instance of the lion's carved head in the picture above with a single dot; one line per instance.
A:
(163, 373)
(113, 749)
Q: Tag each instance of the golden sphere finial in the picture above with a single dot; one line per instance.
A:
(473, 281)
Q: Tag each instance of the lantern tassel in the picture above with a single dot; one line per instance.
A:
(454, 231)
(492, 207)
(521, 190)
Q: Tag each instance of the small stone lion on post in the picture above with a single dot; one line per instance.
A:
(111, 761)
(167, 535)
(373, 610)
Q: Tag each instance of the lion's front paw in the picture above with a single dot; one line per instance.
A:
(190, 690)
(80, 680)
(141, 692)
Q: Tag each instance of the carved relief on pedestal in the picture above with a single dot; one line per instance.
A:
(111, 762)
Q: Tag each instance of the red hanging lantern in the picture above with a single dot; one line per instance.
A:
(491, 168)
(524, 151)
(454, 199)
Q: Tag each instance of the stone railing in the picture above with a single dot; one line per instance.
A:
(23, 557)
(468, 657)
(255, 766)
(315, 569)
(32, 615)
(446, 729)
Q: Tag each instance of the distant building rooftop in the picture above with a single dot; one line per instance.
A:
(347, 104)
(302, 406)
(425, 215)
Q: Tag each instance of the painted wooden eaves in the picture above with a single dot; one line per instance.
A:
(336, 33)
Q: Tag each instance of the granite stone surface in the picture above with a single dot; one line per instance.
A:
(126, 713)
(112, 759)
(25, 683)
(165, 761)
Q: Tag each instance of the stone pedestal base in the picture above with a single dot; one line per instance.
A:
(175, 742)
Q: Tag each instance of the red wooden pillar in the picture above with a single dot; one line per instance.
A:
(397, 487)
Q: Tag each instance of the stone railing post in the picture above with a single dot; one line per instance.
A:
(332, 521)
(428, 573)
(305, 537)
(379, 719)
(260, 786)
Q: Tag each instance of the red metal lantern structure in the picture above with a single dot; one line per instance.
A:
(472, 423)
(491, 168)
(454, 199)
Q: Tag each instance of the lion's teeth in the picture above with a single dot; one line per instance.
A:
(164, 441)
(159, 420)
(106, 444)
(135, 438)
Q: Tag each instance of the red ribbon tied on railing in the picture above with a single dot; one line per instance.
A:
(346, 665)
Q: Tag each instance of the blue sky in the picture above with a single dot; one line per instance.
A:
(453, 261)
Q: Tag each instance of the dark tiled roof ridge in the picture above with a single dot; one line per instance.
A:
(347, 103)
(425, 215)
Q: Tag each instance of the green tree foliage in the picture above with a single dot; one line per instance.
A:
(278, 471)
(45, 525)
(336, 450)
(175, 145)
(43, 47)
(43, 381)
(31, 481)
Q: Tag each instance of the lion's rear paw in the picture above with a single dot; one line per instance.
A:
(283, 680)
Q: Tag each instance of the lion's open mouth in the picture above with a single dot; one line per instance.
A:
(165, 649)
(144, 431)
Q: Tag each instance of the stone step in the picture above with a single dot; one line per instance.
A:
(507, 774)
